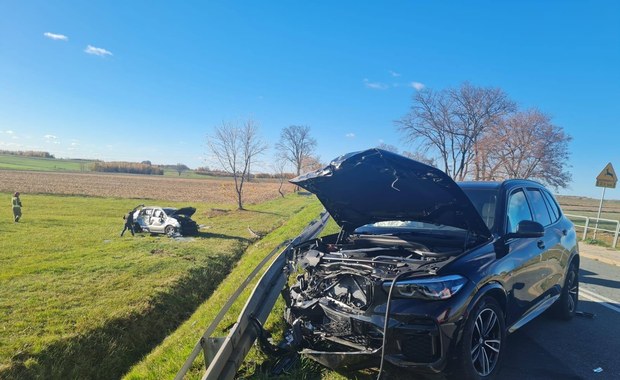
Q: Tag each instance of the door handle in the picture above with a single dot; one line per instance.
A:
(541, 244)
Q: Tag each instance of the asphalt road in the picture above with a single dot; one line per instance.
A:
(550, 349)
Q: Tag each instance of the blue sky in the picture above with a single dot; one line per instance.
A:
(144, 80)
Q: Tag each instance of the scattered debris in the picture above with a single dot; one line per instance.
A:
(255, 234)
(585, 314)
(597, 370)
(157, 251)
(107, 241)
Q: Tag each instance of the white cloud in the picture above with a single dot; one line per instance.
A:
(97, 51)
(56, 37)
(375, 85)
(394, 73)
(350, 135)
(51, 139)
(417, 85)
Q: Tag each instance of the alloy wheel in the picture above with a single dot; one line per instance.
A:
(573, 290)
(486, 342)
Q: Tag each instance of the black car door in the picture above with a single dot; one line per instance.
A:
(524, 282)
(554, 253)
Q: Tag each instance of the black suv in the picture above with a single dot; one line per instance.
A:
(446, 270)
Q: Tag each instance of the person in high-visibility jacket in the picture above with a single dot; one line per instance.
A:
(17, 207)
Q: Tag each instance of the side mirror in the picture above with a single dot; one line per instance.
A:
(527, 229)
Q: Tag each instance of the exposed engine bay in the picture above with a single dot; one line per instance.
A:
(338, 284)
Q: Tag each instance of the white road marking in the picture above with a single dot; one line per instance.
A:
(603, 301)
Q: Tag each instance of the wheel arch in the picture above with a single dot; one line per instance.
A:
(492, 289)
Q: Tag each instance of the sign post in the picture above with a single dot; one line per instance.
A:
(607, 178)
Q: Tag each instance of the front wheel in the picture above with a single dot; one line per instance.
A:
(170, 230)
(483, 343)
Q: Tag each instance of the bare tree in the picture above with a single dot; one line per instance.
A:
(451, 121)
(235, 147)
(419, 156)
(279, 166)
(180, 168)
(311, 163)
(388, 147)
(295, 144)
(526, 145)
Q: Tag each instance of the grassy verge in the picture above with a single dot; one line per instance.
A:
(78, 301)
(167, 359)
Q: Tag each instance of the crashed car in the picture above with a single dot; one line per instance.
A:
(165, 220)
(426, 274)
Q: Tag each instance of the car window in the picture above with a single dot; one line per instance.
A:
(485, 201)
(553, 206)
(539, 207)
(518, 210)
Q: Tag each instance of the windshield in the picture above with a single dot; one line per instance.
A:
(485, 202)
(400, 227)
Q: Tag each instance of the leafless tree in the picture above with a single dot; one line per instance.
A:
(295, 144)
(311, 163)
(526, 145)
(279, 167)
(451, 121)
(235, 146)
(419, 156)
(388, 147)
(180, 168)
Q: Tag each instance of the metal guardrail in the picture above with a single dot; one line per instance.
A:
(224, 356)
(588, 225)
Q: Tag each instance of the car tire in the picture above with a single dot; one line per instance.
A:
(566, 305)
(170, 230)
(482, 344)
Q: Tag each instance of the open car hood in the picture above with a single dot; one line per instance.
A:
(376, 185)
(185, 211)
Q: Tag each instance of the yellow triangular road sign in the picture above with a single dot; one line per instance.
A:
(607, 178)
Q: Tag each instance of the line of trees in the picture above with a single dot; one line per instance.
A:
(127, 167)
(27, 153)
(470, 132)
(479, 133)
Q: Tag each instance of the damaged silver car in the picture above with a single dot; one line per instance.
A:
(165, 220)
(426, 274)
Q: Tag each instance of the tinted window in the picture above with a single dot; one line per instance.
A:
(553, 206)
(485, 201)
(518, 210)
(539, 207)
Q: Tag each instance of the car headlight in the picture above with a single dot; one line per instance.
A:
(429, 288)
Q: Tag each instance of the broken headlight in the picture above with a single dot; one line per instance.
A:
(434, 288)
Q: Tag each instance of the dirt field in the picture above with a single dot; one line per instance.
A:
(136, 186)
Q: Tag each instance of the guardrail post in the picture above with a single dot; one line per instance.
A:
(585, 229)
(616, 235)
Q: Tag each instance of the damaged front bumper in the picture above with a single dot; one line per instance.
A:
(420, 344)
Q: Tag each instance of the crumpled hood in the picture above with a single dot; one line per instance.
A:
(185, 211)
(376, 185)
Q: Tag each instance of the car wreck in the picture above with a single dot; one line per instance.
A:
(426, 274)
(166, 220)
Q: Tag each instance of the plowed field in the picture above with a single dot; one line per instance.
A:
(136, 186)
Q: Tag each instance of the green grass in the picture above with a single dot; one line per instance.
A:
(78, 301)
(167, 359)
(42, 164)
